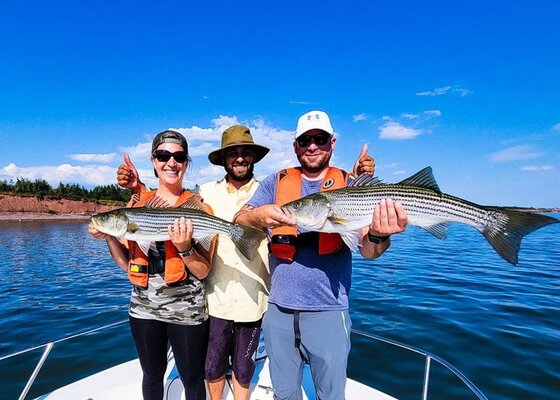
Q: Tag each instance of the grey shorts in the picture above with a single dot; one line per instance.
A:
(232, 344)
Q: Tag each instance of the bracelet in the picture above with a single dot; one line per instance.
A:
(376, 239)
(186, 253)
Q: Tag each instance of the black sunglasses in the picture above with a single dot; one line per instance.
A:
(164, 156)
(319, 140)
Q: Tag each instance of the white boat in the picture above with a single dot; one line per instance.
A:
(123, 381)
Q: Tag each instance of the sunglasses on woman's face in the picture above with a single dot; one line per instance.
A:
(164, 156)
(319, 140)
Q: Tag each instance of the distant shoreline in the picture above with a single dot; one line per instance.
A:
(31, 216)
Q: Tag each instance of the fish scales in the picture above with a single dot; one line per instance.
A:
(347, 210)
(145, 225)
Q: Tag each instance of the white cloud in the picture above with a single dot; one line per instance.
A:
(537, 168)
(100, 158)
(395, 131)
(305, 103)
(440, 91)
(556, 128)
(399, 172)
(359, 117)
(436, 113)
(101, 168)
(85, 175)
(409, 116)
(515, 153)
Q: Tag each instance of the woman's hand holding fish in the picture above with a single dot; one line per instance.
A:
(388, 218)
(98, 234)
(180, 233)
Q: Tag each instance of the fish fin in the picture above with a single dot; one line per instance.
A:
(351, 239)
(157, 202)
(365, 180)
(194, 202)
(144, 246)
(510, 227)
(246, 239)
(438, 230)
(423, 178)
(133, 227)
(205, 242)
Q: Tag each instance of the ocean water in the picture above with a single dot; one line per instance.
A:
(496, 323)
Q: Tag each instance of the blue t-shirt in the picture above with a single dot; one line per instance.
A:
(311, 282)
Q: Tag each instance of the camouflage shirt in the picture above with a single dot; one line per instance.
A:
(183, 303)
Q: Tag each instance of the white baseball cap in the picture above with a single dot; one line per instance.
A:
(314, 120)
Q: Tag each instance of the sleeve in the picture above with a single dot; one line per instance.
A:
(265, 193)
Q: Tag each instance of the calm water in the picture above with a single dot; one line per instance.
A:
(498, 324)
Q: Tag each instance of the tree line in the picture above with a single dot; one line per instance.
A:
(42, 189)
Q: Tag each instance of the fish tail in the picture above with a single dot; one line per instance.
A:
(246, 239)
(508, 227)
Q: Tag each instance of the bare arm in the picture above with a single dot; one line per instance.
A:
(388, 218)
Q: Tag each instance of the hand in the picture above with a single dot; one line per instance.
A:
(365, 163)
(98, 234)
(273, 216)
(388, 218)
(127, 176)
(180, 233)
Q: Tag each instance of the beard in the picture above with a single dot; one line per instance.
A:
(240, 176)
(315, 165)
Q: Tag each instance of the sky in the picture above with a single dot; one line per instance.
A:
(470, 88)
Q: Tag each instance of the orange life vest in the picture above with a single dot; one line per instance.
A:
(288, 188)
(138, 261)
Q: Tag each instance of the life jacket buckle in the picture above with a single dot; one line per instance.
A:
(283, 247)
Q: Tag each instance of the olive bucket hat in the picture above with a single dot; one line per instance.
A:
(237, 135)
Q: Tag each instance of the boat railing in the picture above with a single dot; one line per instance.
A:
(47, 349)
(429, 358)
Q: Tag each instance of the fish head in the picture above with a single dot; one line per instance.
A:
(310, 212)
(114, 223)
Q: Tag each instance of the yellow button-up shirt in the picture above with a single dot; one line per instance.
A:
(236, 288)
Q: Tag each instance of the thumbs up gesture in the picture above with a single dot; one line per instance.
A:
(365, 163)
(127, 176)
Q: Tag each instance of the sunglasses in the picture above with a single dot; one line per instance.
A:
(319, 140)
(164, 156)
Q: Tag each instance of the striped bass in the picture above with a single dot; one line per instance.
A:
(148, 224)
(348, 210)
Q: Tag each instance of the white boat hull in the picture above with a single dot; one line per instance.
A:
(124, 382)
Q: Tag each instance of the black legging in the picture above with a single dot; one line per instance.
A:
(189, 344)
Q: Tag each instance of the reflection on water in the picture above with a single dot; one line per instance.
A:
(458, 299)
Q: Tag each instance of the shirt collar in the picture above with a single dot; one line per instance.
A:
(231, 189)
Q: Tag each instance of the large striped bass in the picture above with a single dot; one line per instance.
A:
(148, 224)
(350, 209)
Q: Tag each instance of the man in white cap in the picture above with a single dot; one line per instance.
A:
(307, 318)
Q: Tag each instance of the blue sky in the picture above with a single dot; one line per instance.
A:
(471, 88)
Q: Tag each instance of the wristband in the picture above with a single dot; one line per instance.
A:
(186, 253)
(376, 239)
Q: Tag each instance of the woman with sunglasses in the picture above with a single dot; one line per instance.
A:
(168, 297)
